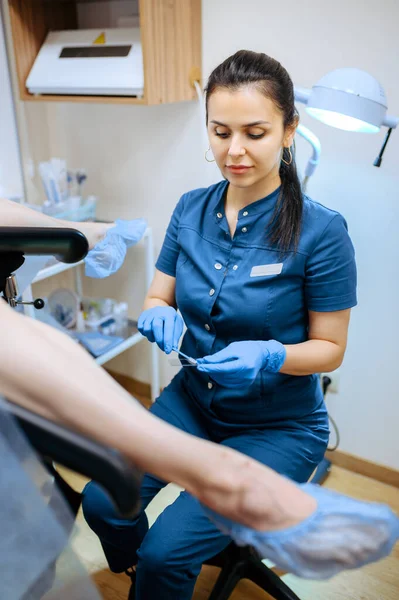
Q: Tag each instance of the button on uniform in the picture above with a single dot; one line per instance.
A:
(210, 385)
(235, 267)
(244, 230)
(219, 215)
(211, 292)
(207, 327)
(245, 213)
(218, 266)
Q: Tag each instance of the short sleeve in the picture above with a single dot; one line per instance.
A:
(169, 253)
(331, 277)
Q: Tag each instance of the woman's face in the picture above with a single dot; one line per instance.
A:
(246, 135)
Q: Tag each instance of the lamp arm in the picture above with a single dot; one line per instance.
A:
(316, 151)
(302, 94)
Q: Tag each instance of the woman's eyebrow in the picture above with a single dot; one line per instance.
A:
(247, 125)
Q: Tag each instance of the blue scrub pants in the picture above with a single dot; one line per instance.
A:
(170, 554)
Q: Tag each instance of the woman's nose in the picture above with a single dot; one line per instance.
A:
(236, 148)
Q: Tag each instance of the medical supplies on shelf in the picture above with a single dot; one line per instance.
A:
(63, 188)
(102, 315)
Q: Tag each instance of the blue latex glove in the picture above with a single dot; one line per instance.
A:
(108, 255)
(342, 533)
(240, 362)
(163, 325)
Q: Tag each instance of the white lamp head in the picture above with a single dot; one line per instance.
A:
(348, 99)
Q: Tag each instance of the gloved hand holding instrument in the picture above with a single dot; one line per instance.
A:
(163, 325)
(240, 362)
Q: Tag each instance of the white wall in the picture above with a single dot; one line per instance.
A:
(11, 180)
(310, 38)
(32, 125)
(140, 159)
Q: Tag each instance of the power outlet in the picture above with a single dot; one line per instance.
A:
(334, 385)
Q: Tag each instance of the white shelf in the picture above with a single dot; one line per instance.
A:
(128, 343)
(131, 337)
(55, 269)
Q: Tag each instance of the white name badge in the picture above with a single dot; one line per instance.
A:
(262, 270)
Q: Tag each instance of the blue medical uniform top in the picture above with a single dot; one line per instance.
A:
(242, 288)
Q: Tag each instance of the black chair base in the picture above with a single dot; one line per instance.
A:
(244, 563)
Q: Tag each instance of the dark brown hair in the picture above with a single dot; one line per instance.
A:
(271, 79)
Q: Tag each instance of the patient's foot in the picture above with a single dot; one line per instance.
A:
(342, 533)
(304, 529)
(250, 493)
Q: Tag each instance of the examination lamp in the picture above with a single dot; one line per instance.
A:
(349, 99)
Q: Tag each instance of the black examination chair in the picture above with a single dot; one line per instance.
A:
(52, 442)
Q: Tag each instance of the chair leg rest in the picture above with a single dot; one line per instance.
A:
(268, 581)
(245, 563)
(224, 586)
(228, 578)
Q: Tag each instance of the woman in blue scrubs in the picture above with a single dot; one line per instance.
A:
(264, 279)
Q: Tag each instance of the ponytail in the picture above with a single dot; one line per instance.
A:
(285, 227)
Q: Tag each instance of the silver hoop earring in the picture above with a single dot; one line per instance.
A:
(206, 157)
(284, 161)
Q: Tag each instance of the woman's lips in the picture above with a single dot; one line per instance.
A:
(238, 168)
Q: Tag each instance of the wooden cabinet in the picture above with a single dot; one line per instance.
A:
(170, 36)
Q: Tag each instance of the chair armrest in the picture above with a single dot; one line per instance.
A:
(120, 478)
(67, 245)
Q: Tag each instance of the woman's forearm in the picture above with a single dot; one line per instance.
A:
(151, 302)
(18, 215)
(313, 356)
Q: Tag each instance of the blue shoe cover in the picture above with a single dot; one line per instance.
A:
(343, 533)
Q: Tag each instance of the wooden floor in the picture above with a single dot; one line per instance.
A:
(379, 581)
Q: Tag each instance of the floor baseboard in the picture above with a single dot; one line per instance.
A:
(364, 467)
(342, 459)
